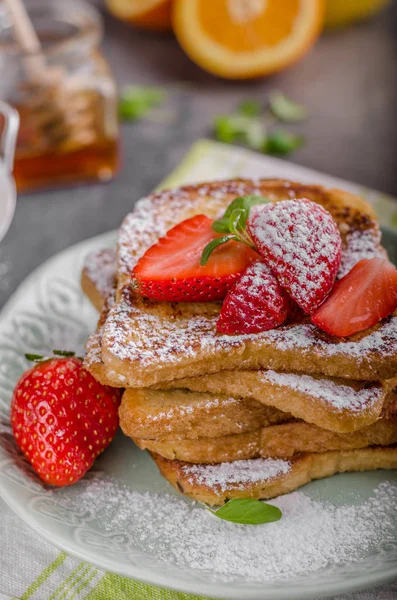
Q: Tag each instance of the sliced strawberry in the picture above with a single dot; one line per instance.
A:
(255, 303)
(360, 299)
(171, 271)
(300, 242)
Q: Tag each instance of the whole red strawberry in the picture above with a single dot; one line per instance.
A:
(62, 419)
(300, 242)
(255, 303)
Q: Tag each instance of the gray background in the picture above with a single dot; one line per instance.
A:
(348, 83)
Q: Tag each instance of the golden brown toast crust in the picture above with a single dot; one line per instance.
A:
(98, 277)
(265, 478)
(163, 415)
(331, 403)
(276, 441)
(149, 344)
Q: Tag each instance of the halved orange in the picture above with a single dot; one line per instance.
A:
(154, 15)
(240, 39)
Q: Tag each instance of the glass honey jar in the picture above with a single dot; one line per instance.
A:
(65, 96)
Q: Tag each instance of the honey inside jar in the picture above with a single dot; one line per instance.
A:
(65, 97)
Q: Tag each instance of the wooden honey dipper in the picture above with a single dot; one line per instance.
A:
(64, 112)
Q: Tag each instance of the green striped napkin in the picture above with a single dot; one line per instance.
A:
(30, 567)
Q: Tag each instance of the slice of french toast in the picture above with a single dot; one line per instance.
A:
(146, 343)
(275, 441)
(264, 478)
(337, 404)
(98, 276)
(172, 414)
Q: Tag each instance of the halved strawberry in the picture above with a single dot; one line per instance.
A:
(300, 242)
(256, 303)
(171, 271)
(360, 299)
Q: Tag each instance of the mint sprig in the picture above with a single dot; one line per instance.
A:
(233, 224)
(286, 109)
(282, 142)
(136, 101)
(251, 126)
(250, 108)
(247, 511)
(240, 128)
(208, 250)
(234, 219)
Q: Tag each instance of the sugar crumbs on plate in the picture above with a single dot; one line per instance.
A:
(310, 536)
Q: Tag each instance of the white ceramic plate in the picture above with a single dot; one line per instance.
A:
(49, 310)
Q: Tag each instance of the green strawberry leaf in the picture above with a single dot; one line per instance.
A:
(208, 250)
(35, 357)
(65, 353)
(285, 109)
(248, 512)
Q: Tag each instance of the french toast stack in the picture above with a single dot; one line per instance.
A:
(255, 415)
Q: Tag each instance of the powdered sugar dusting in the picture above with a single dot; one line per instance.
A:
(341, 397)
(237, 474)
(100, 267)
(361, 244)
(256, 302)
(302, 246)
(137, 335)
(311, 535)
(154, 215)
(183, 410)
(93, 350)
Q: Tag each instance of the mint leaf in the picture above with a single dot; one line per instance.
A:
(136, 101)
(208, 250)
(237, 220)
(255, 134)
(282, 143)
(226, 130)
(250, 108)
(285, 109)
(244, 205)
(230, 128)
(233, 224)
(239, 128)
(248, 512)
